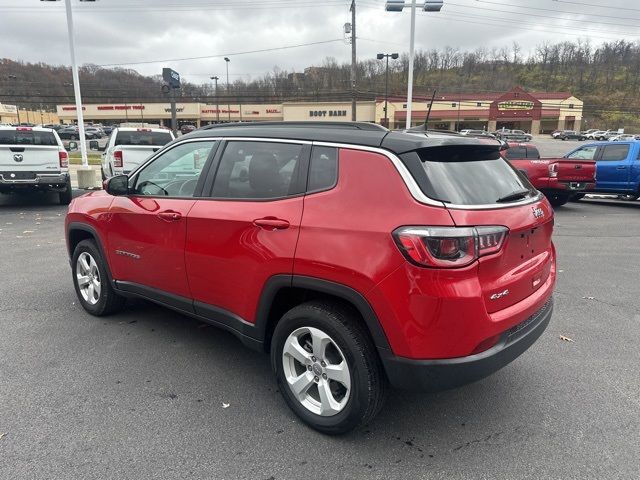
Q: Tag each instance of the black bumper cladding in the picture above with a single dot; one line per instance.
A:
(437, 375)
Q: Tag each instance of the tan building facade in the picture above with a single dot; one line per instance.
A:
(12, 114)
(532, 112)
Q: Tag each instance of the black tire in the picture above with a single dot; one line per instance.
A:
(368, 384)
(558, 199)
(577, 196)
(564, 138)
(629, 198)
(67, 194)
(108, 301)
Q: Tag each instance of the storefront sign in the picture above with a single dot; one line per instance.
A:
(222, 110)
(515, 105)
(72, 108)
(120, 107)
(327, 113)
(273, 110)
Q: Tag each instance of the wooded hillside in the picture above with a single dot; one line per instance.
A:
(606, 78)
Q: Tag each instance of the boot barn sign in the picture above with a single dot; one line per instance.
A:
(327, 113)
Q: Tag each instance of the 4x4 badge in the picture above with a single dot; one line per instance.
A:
(538, 212)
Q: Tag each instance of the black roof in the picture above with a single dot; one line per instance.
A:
(356, 133)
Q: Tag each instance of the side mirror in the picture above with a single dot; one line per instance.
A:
(94, 145)
(117, 185)
(73, 147)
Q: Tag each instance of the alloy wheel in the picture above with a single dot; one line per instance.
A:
(88, 278)
(316, 371)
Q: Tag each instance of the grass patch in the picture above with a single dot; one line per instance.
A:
(75, 158)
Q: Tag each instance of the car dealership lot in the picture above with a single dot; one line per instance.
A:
(151, 394)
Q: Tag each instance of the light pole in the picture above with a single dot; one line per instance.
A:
(226, 59)
(380, 56)
(76, 79)
(397, 6)
(215, 79)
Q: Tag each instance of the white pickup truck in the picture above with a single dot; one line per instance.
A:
(33, 159)
(129, 147)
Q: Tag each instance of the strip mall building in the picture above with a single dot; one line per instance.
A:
(532, 112)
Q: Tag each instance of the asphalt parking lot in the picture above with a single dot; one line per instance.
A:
(142, 394)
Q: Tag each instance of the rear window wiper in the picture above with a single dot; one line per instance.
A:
(517, 195)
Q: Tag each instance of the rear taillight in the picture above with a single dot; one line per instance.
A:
(117, 159)
(448, 247)
(553, 170)
(63, 158)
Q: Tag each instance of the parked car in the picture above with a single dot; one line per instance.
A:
(94, 132)
(618, 167)
(107, 129)
(560, 179)
(591, 131)
(421, 260)
(570, 135)
(476, 133)
(513, 135)
(72, 133)
(623, 137)
(597, 135)
(187, 128)
(129, 147)
(33, 159)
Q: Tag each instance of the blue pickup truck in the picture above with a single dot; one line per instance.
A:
(617, 167)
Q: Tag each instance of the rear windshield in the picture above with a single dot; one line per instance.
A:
(143, 138)
(464, 177)
(27, 137)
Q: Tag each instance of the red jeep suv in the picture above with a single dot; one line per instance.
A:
(358, 257)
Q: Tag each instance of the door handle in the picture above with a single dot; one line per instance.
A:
(621, 167)
(170, 216)
(271, 223)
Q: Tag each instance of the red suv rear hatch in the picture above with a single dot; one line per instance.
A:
(480, 188)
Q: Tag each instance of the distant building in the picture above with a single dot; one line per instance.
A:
(532, 112)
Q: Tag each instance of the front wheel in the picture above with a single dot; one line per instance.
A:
(91, 281)
(327, 367)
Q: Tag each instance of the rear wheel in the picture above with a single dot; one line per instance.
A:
(557, 199)
(629, 198)
(91, 281)
(326, 367)
(67, 194)
(577, 197)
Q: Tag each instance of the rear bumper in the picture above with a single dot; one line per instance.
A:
(30, 179)
(444, 374)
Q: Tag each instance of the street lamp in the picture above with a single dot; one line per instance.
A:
(380, 56)
(397, 6)
(76, 80)
(226, 59)
(215, 79)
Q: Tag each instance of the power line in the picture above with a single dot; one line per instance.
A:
(322, 42)
(595, 5)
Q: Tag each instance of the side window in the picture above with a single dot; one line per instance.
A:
(175, 173)
(532, 152)
(584, 153)
(260, 170)
(612, 153)
(323, 169)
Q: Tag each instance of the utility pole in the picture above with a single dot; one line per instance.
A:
(226, 60)
(76, 85)
(353, 60)
(215, 79)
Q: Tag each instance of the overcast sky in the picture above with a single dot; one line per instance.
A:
(122, 31)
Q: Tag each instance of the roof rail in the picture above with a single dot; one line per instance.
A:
(302, 124)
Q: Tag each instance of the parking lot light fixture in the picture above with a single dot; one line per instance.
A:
(380, 56)
(226, 60)
(215, 79)
(76, 80)
(398, 6)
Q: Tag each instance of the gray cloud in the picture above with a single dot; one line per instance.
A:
(119, 31)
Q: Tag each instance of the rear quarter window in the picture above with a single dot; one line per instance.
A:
(612, 153)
